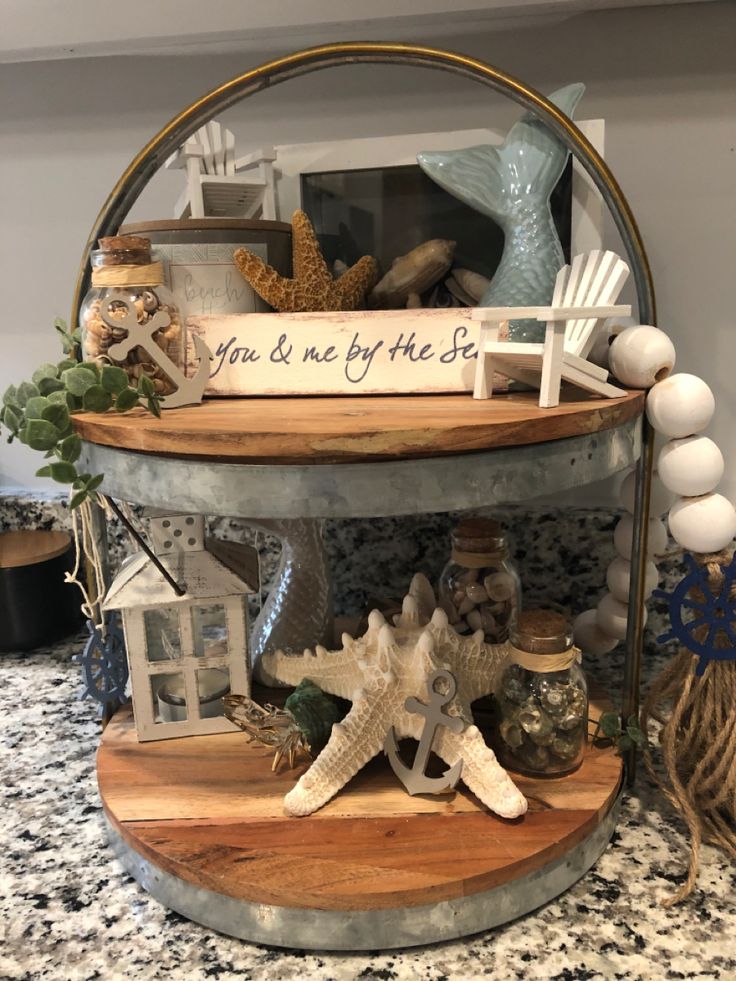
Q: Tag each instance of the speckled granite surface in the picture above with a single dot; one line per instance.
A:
(69, 912)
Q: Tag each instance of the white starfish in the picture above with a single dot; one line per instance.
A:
(378, 672)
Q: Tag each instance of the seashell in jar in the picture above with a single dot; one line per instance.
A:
(474, 620)
(533, 720)
(414, 272)
(471, 283)
(511, 733)
(513, 685)
(149, 301)
(554, 697)
(465, 606)
(476, 592)
(566, 745)
(450, 610)
(535, 756)
(500, 586)
(469, 575)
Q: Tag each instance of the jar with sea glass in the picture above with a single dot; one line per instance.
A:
(479, 588)
(542, 697)
(127, 282)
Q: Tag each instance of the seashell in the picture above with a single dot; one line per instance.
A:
(450, 610)
(474, 620)
(414, 272)
(513, 684)
(618, 577)
(511, 733)
(315, 713)
(535, 756)
(458, 596)
(703, 524)
(660, 500)
(690, 466)
(681, 405)
(499, 586)
(588, 635)
(476, 592)
(623, 536)
(413, 302)
(641, 356)
(534, 721)
(566, 746)
(554, 697)
(471, 283)
(465, 607)
(469, 575)
(465, 299)
(488, 621)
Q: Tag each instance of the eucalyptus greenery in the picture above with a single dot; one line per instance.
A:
(38, 412)
(625, 736)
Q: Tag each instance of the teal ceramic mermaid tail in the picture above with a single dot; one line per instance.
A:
(512, 184)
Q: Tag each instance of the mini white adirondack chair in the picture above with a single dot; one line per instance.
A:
(218, 185)
(584, 296)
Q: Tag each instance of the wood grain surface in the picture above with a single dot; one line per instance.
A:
(209, 810)
(327, 430)
(24, 547)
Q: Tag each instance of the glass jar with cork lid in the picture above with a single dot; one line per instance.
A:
(479, 588)
(127, 283)
(542, 697)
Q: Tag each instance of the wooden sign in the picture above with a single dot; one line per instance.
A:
(356, 353)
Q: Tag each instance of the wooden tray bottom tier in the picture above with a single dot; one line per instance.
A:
(207, 813)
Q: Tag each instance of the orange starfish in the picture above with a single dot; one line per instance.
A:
(312, 287)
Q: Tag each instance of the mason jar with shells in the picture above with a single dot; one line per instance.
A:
(126, 281)
(479, 588)
(542, 697)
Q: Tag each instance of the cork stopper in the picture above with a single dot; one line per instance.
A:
(478, 535)
(122, 250)
(541, 632)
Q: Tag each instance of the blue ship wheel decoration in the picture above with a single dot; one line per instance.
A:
(703, 613)
(104, 665)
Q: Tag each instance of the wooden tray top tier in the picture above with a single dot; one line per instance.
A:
(208, 810)
(329, 430)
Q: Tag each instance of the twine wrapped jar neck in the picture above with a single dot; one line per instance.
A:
(541, 641)
(125, 260)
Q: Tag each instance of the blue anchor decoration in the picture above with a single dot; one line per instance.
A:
(414, 778)
(189, 391)
(697, 609)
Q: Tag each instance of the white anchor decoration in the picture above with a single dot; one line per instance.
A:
(189, 391)
(414, 778)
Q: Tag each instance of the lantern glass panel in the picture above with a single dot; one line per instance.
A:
(163, 637)
(209, 630)
(212, 685)
(169, 698)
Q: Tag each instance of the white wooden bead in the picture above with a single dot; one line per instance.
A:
(691, 466)
(660, 499)
(588, 635)
(611, 616)
(641, 356)
(623, 536)
(703, 524)
(681, 405)
(618, 578)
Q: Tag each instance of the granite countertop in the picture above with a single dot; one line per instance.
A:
(69, 912)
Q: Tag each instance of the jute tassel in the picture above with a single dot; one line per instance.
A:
(698, 743)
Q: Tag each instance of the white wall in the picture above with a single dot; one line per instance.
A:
(663, 78)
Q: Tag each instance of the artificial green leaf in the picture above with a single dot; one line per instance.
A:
(63, 472)
(609, 723)
(70, 448)
(40, 434)
(94, 482)
(46, 370)
(74, 402)
(82, 479)
(126, 400)
(146, 386)
(44, 472)
(79, 498)
(96, 399)
(91, 367)
(636, 735)
(35, 407)
(113, 379)
(10, 395)
(154, 407)
(57, 415)
(78, 379)
(66, 363)
(48, 385)
(26, 391)
(57, 398)
(625, 743)
(12, 418)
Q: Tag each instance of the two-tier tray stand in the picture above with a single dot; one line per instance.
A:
(198, 821)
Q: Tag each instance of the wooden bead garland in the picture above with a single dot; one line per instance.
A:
(588, 635)
(660, 500)
(681, 405)
(618, 578)
(641, 356)
(703, 524)
(691, 466)
(623, 537)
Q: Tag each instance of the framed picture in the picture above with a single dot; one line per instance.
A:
(370, 197)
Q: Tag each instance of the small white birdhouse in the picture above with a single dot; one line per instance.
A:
(185, 652)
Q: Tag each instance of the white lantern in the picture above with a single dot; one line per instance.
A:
(691, 466)
(703, 524)
(185, 652)
(641, 356)
(681, 405)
